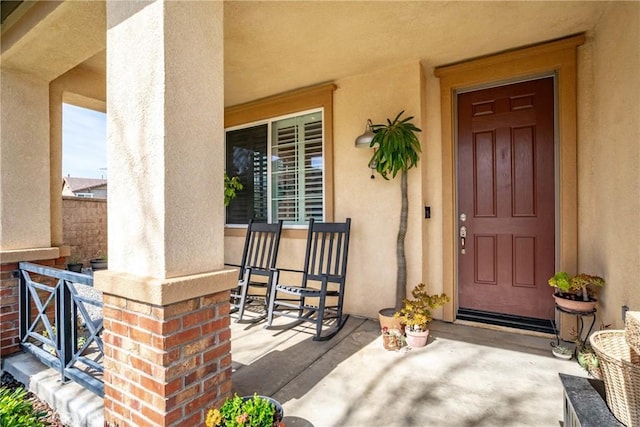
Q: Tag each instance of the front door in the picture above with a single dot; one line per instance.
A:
(506, 199)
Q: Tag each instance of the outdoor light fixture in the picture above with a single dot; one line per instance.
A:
(365, 139)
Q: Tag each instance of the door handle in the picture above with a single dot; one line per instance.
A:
(463, 238)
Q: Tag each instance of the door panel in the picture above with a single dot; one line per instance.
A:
(506, 190)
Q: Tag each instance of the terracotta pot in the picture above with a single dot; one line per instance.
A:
(391, 342)
(386, 319)
(577, 305)
(416, 339)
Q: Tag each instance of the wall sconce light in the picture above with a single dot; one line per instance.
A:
(365, 139)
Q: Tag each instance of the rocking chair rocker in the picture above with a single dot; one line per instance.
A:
(323, 277)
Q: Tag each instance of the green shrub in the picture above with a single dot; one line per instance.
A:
(17, 411)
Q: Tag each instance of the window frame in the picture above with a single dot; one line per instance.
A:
(291, 104)
(269, 146)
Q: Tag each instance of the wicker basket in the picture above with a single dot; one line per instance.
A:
(632, 330)
(621, 374)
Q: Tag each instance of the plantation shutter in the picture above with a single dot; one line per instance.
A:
(297, 169)
(246, 158)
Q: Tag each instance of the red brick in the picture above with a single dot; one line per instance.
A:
(216, 352)
(194, 420)
(225, 388)
(182, 307)
(180, 368)
(130, 318)
(9, 267)
(9, 300)
(182, 337)
(223, 310)
(200, 373)
(140, 336)
(197, 317)
(225, 362)
(152, 385)
(173, 386)
(8, 317)
(153, 415)
(175, 415)
(217, 298)
(201, 402)
(7, 292)
(120, 328)
(215, 326)
(141, 365)
(224, 336)
(198, 346)
(156, 356)
(184, 395)
(111, 312)
(112, 300)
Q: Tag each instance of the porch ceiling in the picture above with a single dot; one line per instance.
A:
(276, 46)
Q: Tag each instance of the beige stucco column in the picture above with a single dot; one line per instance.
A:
(24, 162)
(25, 233)
(166, 303)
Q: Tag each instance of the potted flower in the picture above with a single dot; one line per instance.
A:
(576, 293)
(256, 411)
(416, 314)
(397, 149)
(392, 339)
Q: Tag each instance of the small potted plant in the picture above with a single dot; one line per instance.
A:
(99, 262)
(392, 339)
(254, 411)
(576, 293)
(74, 264)
(416, 314)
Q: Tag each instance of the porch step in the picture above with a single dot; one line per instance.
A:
(518, 322)
(75, 405)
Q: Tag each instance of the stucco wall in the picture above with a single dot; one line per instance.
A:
(373, 204)
(608, 158)
(85, 227)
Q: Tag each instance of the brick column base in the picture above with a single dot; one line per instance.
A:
(10, 304)
(165, 365)
(9, 310)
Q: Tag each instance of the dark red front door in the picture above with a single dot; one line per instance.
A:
(506, 199)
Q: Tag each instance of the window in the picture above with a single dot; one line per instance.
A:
(280, 164)
(283, 147)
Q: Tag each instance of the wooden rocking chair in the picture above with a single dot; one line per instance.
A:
(258, 259)
(323, 277)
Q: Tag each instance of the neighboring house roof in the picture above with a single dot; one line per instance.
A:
(82, 184)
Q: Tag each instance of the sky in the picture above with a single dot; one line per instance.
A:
(84, 142)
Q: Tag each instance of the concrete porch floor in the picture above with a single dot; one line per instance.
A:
(465, 376)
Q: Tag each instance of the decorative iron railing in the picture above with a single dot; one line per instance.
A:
(61, 323)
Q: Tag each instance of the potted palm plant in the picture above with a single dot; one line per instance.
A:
(415, 314)
(397, 149)
(577, 293)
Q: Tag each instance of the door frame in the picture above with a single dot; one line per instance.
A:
(557, 57)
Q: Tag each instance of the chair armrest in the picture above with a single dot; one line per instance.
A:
(232, 265)
(290, 270)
